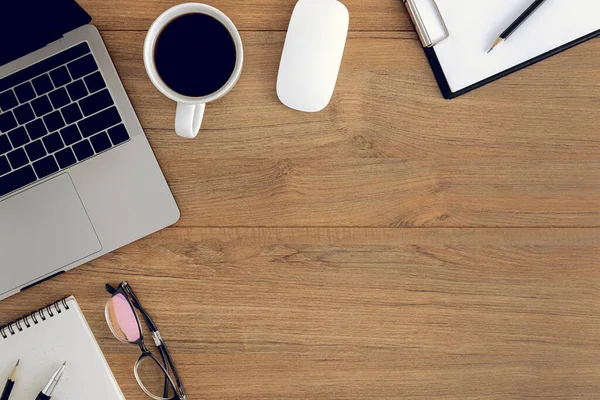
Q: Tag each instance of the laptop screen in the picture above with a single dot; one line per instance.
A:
(28, 25)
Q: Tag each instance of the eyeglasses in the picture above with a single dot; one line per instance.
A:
(153, 376)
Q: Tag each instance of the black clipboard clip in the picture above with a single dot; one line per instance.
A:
(420, 26)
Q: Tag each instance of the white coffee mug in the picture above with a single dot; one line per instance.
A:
(190, 110)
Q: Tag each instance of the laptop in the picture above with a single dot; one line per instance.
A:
(78, 178)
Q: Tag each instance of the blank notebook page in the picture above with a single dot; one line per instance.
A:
(42, 349)
(475, 24)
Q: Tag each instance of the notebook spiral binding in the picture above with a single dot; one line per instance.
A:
(36, 317)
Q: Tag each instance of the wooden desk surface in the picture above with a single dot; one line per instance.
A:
(395, 245)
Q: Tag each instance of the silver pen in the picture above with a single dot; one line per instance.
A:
(46, 393)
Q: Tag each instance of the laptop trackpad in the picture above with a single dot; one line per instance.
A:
(43, 230)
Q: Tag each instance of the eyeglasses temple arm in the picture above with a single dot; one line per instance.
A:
(111, 290)
(166, 365)
(164, 352)
(136, 303)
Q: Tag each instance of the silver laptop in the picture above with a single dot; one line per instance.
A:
(78, 178)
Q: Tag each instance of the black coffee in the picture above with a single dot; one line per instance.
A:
(195, 55)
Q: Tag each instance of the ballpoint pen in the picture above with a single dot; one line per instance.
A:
(10, 383)
(46, 393)
(518, 22)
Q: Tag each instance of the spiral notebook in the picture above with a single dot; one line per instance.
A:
(457, 34)
(45, 339)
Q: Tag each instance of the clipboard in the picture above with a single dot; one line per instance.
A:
(442, 27)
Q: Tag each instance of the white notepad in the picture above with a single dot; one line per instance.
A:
(44, 346)
(474, 25)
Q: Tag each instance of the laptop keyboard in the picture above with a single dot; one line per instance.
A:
(54, 114)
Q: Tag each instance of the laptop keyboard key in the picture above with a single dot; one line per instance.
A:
(70, 135)
(46, 166)
(18, 158)
(71, 113)
(16, 180)
(59, 98)
(53, 142)
(5, 145)
(24, 92)
(65, 158)
(36, 129)
(41, 106)
(24, 113)
(95, 82)
(77, 90)
(60, 76)
(99, 122)
(7, 121)
(96, 102)
(18, 137)
(83, 150)
(82, 66)
(35, 150)
(4, 165)
(118, 134)
(8, 100)
(100, 142)
(42, 84)
(54, 121)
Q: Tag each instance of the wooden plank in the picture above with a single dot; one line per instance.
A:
(385, 193)
(389, 151)
(386, 88)
(373, 15)
(357, 313)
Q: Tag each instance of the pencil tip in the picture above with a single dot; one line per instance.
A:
(13, 375)
(496, 43)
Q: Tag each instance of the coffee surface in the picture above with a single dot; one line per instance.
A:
(195, 55)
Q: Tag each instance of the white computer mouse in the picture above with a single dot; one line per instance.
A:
(312, 54)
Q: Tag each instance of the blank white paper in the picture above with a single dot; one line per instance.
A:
(475, 24)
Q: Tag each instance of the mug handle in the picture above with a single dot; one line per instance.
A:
(188, 119)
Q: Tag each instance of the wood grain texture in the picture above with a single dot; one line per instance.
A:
(389, 151)
(395, 245)
(265, 15)
(358, 313)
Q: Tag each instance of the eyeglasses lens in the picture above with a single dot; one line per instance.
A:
(122, 320)
(151, 378)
